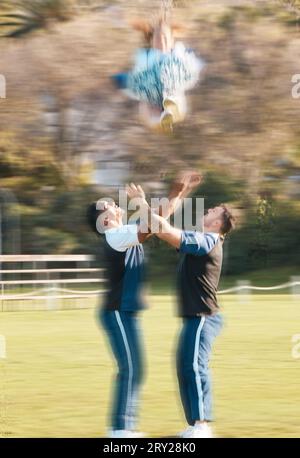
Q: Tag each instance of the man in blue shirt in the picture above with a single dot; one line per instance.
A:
(198, 278)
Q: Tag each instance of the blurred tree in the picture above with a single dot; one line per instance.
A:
(24, 16)
(242, 130)
(289, 11)
(262, 231)
(292, 5)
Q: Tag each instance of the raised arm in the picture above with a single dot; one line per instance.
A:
(189, 242)
(183, 185)
(165, 231)
(150, 219)
(136, 192)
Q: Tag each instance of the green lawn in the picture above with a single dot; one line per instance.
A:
(56, 379)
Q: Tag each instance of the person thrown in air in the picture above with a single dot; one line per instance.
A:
(163, 71)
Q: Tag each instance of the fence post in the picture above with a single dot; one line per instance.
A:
(244, 294)
(295, 289)
(52, 302)
(2, 300)
(2, 87)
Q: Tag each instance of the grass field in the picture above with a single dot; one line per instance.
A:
(56, 379)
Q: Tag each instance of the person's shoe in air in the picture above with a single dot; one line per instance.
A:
(170, 105)
(166, 121)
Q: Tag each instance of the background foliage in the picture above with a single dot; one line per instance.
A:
(62, 115)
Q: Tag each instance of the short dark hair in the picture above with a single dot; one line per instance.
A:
(228, 220)
(92, 215)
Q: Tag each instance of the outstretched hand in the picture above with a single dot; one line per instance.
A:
(189, 180)
(135, 192)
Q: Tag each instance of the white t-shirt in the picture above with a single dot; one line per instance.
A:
(123, 237)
